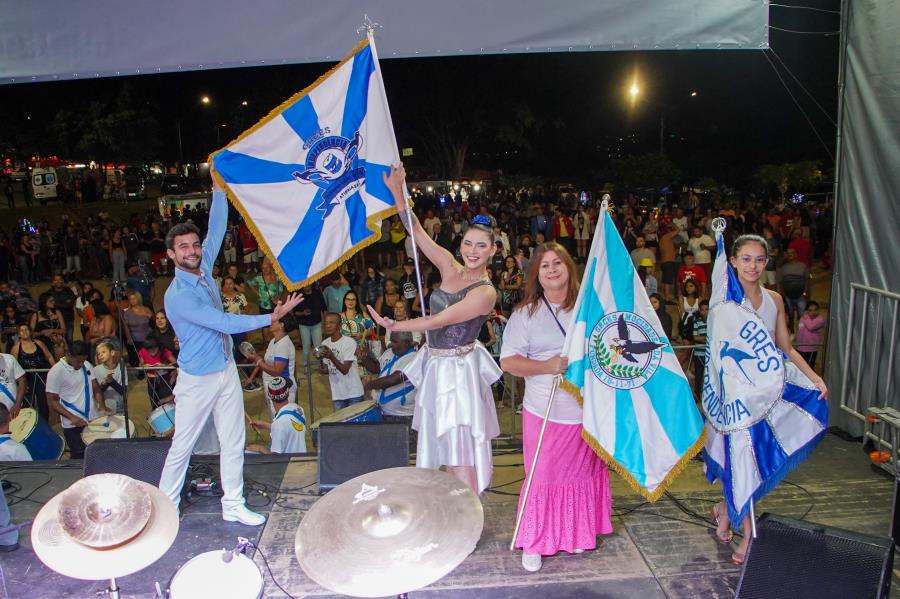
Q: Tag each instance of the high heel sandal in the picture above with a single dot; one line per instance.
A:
(738, 558)
(722, 538)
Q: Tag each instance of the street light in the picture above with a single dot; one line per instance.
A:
(205, 100)
(244, 103)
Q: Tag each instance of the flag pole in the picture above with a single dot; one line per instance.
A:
(537, 451)
(369, 26)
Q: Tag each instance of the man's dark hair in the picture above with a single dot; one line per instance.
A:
(79, 349)
(812, 304)
(703, 303)
(289, 322)
(179, 230)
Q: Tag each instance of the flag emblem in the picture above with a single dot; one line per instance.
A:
(624, 350)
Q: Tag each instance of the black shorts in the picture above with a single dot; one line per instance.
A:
(669, 272)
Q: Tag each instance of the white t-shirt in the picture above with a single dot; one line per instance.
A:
(70, 385)
(289, 430)
(13, 451)
(402, 404)
(284, 352)
(695, 245)
(681, 223)
(429, 224)
(343, 386)
(538, 337)
(111, 398)
(10, 370)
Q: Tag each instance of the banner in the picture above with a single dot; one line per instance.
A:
(639, 413)
(763, 416)
(308, 178)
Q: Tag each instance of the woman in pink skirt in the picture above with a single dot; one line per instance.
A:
(569, 503)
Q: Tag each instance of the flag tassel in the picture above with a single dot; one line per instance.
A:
(537, 452)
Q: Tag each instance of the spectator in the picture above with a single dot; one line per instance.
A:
(693, 272)
(701, 246)
(160, 381)
(164, 333)
(372, 287)
(809, 333)
(65, 304)
(696, 334)
(280, 359)
(112, 378)
(338, 361)
(73, 392)
(793, 285)
(33, 355)
(117, 255)
(335, 292)
(229, 247)
(512, 282)
(667, 259)
(443, 236)
(9, 325)
(641, 252)
(136, 324)
(354, 323)
(665, 320)
(103, 325)
(409, 287)
(562, 230)
(401, 312)
(72, 249)
(385, 307)
(645, 270)
(82, 305)
(288, 426)
(801, 245)
(233, 302)
(398, 239)
(430, 221)
(139, 280)
(248, 247)
(309, 313)
(769, 277)
(49, 326)
(268, 287)
(232, 271)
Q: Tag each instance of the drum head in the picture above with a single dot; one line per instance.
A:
(23, 424)
(346, 414)
(208, 575)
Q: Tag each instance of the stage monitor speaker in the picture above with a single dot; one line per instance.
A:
(141, 459)
(349, 449)
(791, 559)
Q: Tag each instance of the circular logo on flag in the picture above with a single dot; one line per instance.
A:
(624, 350)
(745, 371)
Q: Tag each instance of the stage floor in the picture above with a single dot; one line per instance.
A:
(656, 550)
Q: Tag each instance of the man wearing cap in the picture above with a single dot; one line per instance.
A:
(208, 382)
(409, 288)
(288, 427)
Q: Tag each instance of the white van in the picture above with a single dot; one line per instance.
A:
(43, 183)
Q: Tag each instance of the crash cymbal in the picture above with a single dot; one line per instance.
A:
(103, 510)
(389, 532)
(63, 554)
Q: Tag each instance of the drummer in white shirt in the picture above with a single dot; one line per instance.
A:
(10, 449)
(338, 356)
(288, 428)
(73, 392)
(394, 394)
(12, 384)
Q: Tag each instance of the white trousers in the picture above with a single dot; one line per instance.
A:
(196, 398)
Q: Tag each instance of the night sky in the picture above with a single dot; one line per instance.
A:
(741, 117)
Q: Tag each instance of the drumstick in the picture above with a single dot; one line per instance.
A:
(249, 420)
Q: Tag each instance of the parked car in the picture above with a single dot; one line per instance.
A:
(135, 183)
(43, 184)
(174, 184)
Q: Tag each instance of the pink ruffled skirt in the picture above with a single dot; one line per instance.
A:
(570, 502)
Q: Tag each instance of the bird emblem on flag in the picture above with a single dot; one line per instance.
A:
(308, 178)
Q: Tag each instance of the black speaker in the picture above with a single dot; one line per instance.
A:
(141, 459)
(349, 449)
(792, 559)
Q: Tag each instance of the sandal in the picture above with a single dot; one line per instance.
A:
(738, 558)
(728, 535)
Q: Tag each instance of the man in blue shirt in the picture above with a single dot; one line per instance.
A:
(208, 383)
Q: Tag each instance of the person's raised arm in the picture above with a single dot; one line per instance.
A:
(218, 220)
(478, 302)
(441, 258)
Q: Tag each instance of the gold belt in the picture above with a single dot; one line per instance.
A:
(452, 351)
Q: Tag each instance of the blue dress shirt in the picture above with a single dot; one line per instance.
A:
(197, 316)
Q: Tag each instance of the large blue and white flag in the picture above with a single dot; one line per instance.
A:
(308, 177)
(763, 416)
(639, 413)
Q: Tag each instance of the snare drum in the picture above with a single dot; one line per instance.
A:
(106, 427)
(162, 419)
(365, 411)
(35, 434)
(208, 575)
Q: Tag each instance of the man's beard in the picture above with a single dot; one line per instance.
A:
(185, 266)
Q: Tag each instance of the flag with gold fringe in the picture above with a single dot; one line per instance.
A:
(639, 413)
(307, 178)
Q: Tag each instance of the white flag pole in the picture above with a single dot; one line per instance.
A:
(537, 451)
(369, 27)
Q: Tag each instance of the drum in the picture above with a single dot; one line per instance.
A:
(106, 427)
(208, 575)
(365, 411)
(162, 419)
(35, 434)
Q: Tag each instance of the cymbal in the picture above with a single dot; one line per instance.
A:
(63, 554)
(103, 510)
(389, 532)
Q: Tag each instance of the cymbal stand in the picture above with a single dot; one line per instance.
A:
(113, 592)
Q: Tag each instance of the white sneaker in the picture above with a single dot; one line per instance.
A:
(531, 561)
(243, 515)
(578, 551)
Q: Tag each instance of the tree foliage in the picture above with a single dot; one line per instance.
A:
(791, 176)
(646, 170)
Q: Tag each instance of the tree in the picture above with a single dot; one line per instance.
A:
(647, 170)
(790, 176)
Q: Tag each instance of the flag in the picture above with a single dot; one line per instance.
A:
(639, 413)
(307, 178)
(763, 415)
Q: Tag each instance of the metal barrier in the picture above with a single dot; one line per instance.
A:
(869, 380)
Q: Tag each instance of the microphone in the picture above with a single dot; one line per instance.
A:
(241, 547)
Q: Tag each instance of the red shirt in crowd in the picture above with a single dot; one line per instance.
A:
(692, 272)
(804, 250)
